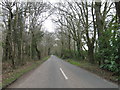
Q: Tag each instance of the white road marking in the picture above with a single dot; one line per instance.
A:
(63, 74)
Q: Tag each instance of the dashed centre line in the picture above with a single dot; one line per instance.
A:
(63, 74)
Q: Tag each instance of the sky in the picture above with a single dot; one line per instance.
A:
(48, 24)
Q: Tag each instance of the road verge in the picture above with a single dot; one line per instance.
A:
(10, 77)
(94, 69)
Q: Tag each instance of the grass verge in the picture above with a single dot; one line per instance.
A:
(9, 77)
(94, 69)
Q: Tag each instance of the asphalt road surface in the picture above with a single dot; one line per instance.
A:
(56, 73)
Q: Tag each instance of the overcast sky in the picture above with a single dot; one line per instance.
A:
(48, 24)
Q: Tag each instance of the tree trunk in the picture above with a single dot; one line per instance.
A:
(69, 42)
(78, 48)
(38, 53)
(6, 48)
(91, 53)
(117, 5)
(99, 21)
(62, 49)
(33, 47)
(74, 48)
(11, 52)
(49, 51)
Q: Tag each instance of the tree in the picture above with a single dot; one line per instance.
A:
(23, 23)
(117, 5)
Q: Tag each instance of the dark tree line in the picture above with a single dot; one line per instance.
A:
(22, 30)
(91, 32)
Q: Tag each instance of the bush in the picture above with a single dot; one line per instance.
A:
(110, 65)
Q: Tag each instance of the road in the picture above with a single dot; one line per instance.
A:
(56, 73)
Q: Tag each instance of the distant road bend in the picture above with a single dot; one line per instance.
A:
(56, 73)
